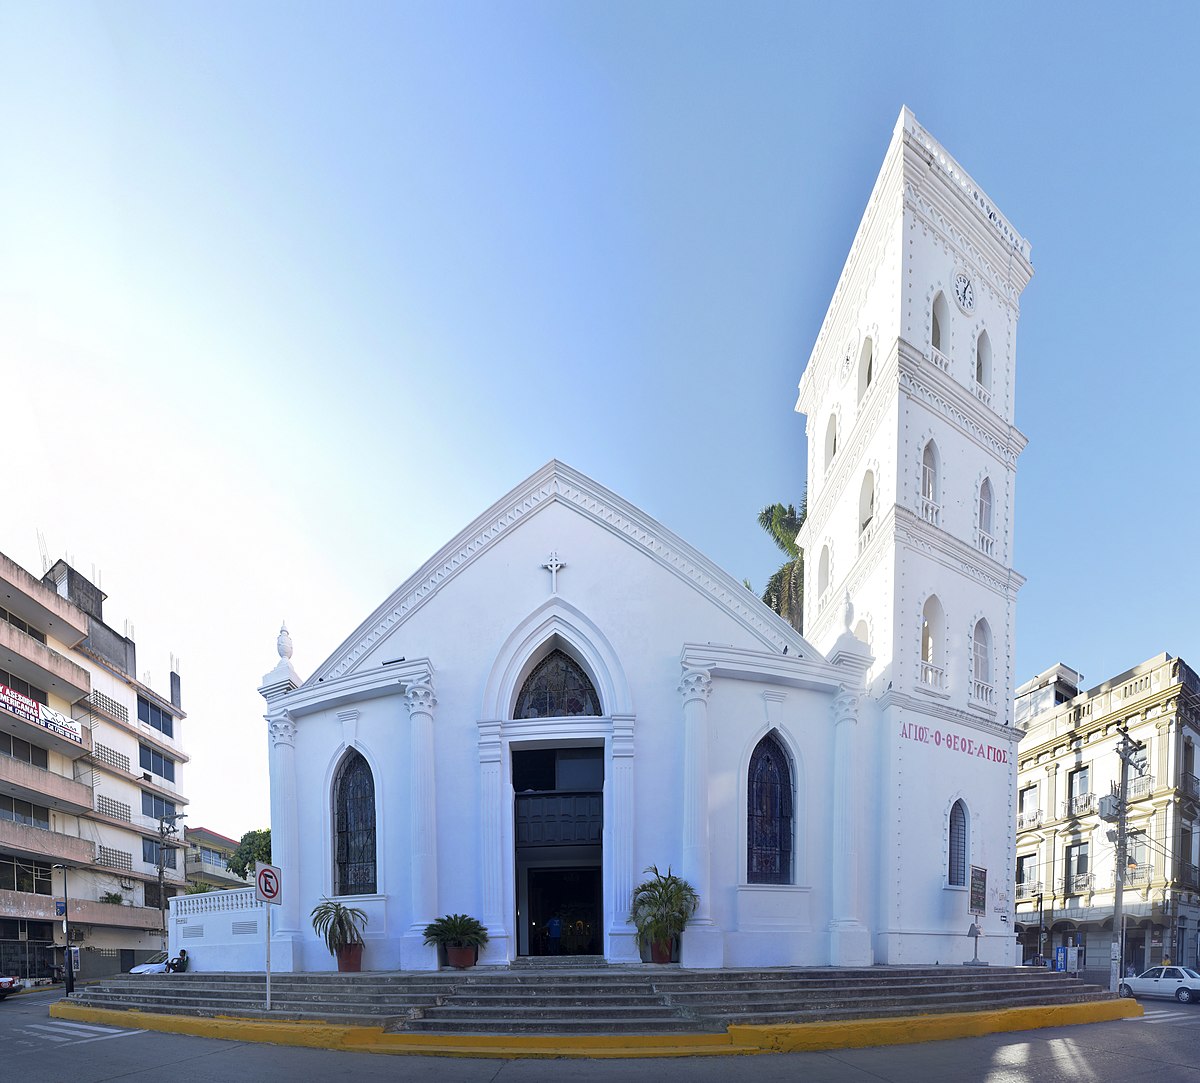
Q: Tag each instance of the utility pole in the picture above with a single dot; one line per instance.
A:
(1127, 747)
(167, 830)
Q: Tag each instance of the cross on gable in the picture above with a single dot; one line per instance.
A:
(554, 566)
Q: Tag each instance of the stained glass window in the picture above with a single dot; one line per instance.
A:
(957, 873)
(354, 819)
(557, 688)
(769, 820)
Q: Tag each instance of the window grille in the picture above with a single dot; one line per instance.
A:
(769, 815)
(557, 688)
(355, 826)
(958, 845)
(112, 758)
(114, 859)
(109, 705)
(116, 809)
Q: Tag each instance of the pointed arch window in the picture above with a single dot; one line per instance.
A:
(866, 366)
(982, 690)
(985, 540)
(930, 507)
(354, 828)
(956, 873)
(557, 688)
(830, 440)
(940, 318)
(769, 815)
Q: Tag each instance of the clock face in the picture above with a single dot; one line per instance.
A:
(964, 292)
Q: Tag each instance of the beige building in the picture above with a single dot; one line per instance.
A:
(1066, 852)
(207, 852)
(90, 764)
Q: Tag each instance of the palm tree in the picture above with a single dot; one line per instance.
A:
(785, 589)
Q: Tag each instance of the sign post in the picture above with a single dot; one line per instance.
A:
(268, 889)
(977, 908)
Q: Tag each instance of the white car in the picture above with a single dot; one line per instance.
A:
(1180, 982)
(156, 964)
(9, 985)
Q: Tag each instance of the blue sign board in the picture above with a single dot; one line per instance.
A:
(1060, 958)
(60, 907)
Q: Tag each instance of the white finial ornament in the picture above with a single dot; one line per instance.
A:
(284, 643)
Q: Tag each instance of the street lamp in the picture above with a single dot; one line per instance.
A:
(69, 969)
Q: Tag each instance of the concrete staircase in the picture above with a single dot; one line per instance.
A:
(560, 997)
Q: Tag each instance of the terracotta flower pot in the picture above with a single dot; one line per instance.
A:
(460, 957)
(660, 951)
(349, 958)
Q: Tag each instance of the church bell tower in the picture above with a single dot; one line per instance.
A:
(912, 454)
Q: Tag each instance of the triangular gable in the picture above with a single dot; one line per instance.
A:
(557, 482)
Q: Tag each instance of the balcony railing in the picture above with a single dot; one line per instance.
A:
(1028, 889)
(983, 394)
(1026, 820)
(865, 536)
(823, 599)
(982, 692)
(1076, 884)
(933, 676)
(1079, 805)
(1191, 785)
(1189, 875)
(1142, 786)
(1139, 874)
(939, 359)
(931, 510)
(984, 542)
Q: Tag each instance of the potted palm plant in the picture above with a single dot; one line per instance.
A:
(340, 927)
(660, 909)
(461, 935)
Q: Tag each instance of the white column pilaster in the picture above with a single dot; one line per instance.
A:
(622, 937)
(703, 942)
(288, 935)
(492, 809)
(850, 940)
(414, 953)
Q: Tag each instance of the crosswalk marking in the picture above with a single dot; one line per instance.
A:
(60, 1024)
(1162, 1015)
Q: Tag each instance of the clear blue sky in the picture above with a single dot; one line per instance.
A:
(290, 292)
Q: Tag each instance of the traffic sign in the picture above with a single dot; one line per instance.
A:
(268, 883)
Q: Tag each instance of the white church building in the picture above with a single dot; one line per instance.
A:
(568, 692)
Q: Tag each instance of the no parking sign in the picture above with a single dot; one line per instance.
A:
(268, 883)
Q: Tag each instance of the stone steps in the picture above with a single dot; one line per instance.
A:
(560, 999)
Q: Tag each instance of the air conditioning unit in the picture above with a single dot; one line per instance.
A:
(147, 776)
(126, 883)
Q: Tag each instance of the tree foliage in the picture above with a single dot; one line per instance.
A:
(255, 846)
(784, 592)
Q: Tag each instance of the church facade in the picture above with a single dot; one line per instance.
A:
(568, 693)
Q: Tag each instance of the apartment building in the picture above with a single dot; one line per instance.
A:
(207, 852)
(90, 776)
(1066, 862)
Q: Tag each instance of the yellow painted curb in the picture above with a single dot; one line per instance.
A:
(739, 1039)
(906, 1030)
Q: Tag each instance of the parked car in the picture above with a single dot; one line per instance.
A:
(9, 985)
(156, 964)
(1180, 982)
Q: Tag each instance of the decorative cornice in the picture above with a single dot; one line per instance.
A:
(920, 380)
(558, 483)
(932, 708)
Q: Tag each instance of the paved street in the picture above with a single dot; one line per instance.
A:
(1164, 1047)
